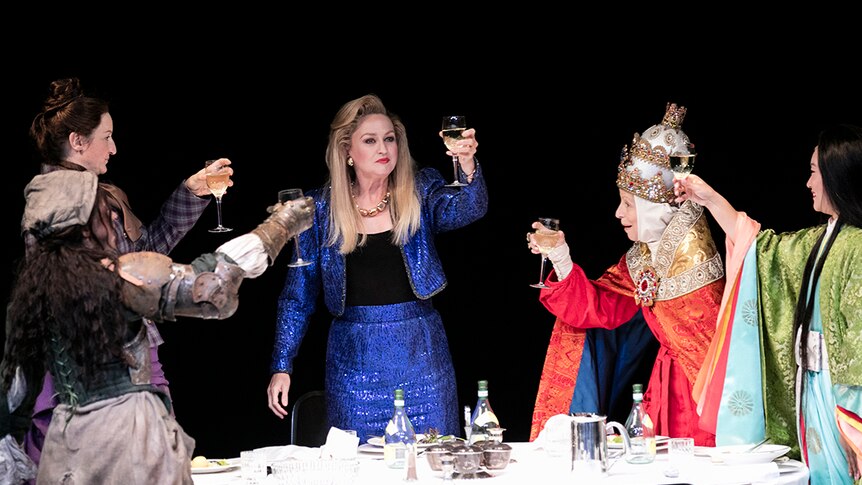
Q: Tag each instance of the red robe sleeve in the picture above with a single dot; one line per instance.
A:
(582, 303)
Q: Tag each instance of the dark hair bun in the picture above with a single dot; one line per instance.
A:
(63, 91)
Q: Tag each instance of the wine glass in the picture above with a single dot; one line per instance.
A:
(217, 183)
(284, 196)
(682, 161)
(546, 239)
(453, 126)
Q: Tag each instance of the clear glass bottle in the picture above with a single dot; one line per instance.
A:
(398, 434)
(483, 416)
(640, 429)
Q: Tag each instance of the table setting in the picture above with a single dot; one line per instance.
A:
(343, 461)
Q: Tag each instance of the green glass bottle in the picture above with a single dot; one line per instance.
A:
(640, 429)
(398, 434)
(483, 416)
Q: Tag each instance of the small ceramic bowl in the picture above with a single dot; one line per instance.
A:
(435, 454)
(467, 459)
(496, 456)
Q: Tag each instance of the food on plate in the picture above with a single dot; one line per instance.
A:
(201, 461)
(433, 436)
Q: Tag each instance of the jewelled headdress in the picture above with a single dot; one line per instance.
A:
(645, 169)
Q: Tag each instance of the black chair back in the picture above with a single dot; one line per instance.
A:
(309, 424)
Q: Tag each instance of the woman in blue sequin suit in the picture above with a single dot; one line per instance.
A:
(372, 244)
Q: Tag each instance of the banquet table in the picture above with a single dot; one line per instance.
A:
(532, 465)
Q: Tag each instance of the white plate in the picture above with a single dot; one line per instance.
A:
(789, 466)
(378, 441)
(233, 464)
(736, 454)
(369, 448)
(660, 442)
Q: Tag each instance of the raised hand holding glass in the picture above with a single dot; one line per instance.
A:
(453, 126)
(217, 182)
(545, 238)
(284, 196)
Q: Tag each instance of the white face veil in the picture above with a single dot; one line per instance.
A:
(653, 219)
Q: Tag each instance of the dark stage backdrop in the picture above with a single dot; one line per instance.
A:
(550, 137)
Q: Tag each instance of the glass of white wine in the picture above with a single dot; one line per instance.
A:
(453, 126)
(217, 181)
(682, 161)
(546, 239)
(284, 196)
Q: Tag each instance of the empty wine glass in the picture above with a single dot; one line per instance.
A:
(546, 239)
(682, 161)
(217, 181)
(284, 196)
(680, 453)
(453, 126)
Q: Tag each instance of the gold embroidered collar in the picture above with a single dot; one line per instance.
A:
(686, 259)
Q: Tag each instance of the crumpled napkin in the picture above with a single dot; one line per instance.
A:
(273, 454)
(340, 445)
(557, 433)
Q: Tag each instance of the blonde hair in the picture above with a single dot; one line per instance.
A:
(404, 207)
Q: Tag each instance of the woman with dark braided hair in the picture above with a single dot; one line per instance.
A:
(802, 293)
(75, 132)
(77, 311)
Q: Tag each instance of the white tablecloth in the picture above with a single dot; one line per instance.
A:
(533, 466)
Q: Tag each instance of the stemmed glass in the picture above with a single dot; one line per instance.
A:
(217, 183)
(546, 239)
(682, 161)
(453, 126)
(284, 196)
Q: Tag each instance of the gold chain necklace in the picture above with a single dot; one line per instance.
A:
(380, 207)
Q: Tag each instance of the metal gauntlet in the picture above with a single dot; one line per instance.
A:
(169, 290)
(286, 221)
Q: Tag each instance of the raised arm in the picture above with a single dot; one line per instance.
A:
(695, 189)
(161, 290)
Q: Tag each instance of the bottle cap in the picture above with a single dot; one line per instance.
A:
(637, 388)
(399, 394)
(483, 385)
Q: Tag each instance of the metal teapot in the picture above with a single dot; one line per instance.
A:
(590, 443)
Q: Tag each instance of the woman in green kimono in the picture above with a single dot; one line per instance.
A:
(807, 302)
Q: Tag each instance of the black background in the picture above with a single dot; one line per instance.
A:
(550, 133)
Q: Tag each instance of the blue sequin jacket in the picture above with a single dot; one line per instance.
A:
(443, 209)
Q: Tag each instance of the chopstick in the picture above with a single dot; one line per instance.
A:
(758, 445)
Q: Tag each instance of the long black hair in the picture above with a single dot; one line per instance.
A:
(839, 155)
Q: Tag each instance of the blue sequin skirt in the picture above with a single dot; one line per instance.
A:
(373, 350)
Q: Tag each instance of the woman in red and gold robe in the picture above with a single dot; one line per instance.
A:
(673, 275)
